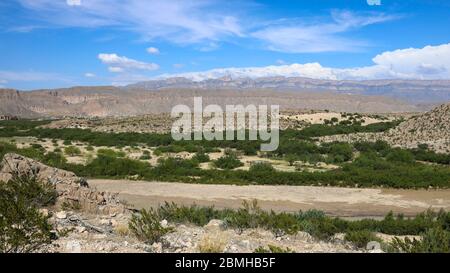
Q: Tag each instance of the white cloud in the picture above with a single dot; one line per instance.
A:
(430, 62)
(73, 2)
(299, 36)
(153, 50)
(89, 75)
(118, 63)
(115, 69)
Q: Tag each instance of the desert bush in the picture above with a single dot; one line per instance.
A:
(122, 230)
(315, 222)
(213, 242)
(262, 167)
(146, 226)
(110, 153)
(434, 240)
(360, 238)
(399, 155)
(72, 150)
(272, 249)
(6, 148)
(192, 214)
(55, 159)
(23, 228)
(145, 157)
(201, 157)
(228, 162)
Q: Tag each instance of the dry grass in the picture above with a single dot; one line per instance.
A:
(213, 242)
(122, 230)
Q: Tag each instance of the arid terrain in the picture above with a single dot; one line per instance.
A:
(342, 202)
(159, 96)
(341, 180)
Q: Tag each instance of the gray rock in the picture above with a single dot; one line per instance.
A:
(215, 225)
(73, 246)
(61, 215)
(164, 223)
(373, 245)
(157, 247)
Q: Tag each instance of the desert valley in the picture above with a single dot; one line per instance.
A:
(110, 156)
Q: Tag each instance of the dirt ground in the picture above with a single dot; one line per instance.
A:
(343, 202)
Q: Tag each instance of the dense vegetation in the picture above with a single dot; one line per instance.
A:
(432, 225)
(360, 164)
(379, 167)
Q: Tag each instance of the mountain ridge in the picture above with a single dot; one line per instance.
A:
(156, 96)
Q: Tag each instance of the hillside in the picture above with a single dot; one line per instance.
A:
(431, 128)
(114, 101)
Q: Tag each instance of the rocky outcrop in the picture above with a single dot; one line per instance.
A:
(71, 189)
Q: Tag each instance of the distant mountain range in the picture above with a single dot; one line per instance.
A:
(412, 91)
(161, 95)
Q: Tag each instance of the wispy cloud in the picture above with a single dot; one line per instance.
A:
(178, 21)
(178, 66)
(207, 23)
(30, 76)
(89, 75)
(118, 63)
(309, 35)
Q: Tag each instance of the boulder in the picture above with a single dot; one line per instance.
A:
(215, 225)
(373, 245)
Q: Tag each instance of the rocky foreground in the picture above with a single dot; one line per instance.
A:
(87, 220)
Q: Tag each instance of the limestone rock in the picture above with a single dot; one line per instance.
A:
(215, 225)
(373, 245)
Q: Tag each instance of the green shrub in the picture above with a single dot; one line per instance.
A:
(399, 155)
(146, 226)
(360, 238)
(228, 162)
(22, 227)
(261, 167)
(273, 249)
(55, 159)
(72, 151)
(145, 157)
(110, 153)
(201, 157)
(434, 240)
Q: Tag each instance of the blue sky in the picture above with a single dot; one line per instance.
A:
(60, 43)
